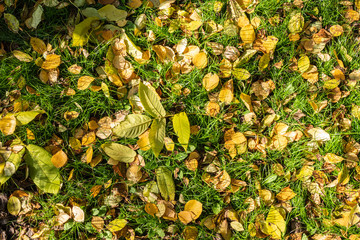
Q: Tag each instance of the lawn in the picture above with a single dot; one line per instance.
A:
(153, 119)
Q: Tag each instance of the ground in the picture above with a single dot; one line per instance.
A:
(272, 151)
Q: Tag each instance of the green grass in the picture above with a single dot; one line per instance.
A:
(95, 105)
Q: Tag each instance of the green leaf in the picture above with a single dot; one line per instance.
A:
(119, 152)
(182, 128)
(26, 117)
(80, 35)
(165, 183)
(132, 126)
(157, 135)
(42, 171)
(151, 102)
(11, 165)
(116, 225)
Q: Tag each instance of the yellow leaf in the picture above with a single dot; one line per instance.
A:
(182, 128)
(30, 135)
(247, 34)
(264, 62)
(303, 64)
(52, 61)
(38, 45)
(226, 94)
(97, 223)
(74, 143)
(185, 217)
(169, 144)
(336, 30)
(87, 156)
(200, 60)
(190, 233)
(210, 81)
(21, 56)
(194, 207)
(151, 209)
(59, 159)
(247, 101)
(8, 124)
(241, 73)
(75, 69)
(274, 217)
(212, 109)
(84, 82)
(144, 142)
(285, 194)
(88, 138)
(333, 158)
(296, 22)
(70, 115)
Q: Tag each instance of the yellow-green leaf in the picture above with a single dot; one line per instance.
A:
(14, 206)
(21, 56)
(303, 64)
(241, 73)
(119, 152)
(12, 22)
(80, 35)
(111, 13)
(26, 117)
(11, 165)
(44, 174)
(157, 135)
(165, 183)
(132, 126)
(116, 225)
(296, 22)
(182, 128)
(151, 101)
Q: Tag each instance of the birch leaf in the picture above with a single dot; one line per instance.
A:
(182, 128)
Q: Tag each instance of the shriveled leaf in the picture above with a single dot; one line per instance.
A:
(42, 171)
(182, 128)
(132, 126)
(157, 135)
(150, 101)
(165, 183)
(119, 152)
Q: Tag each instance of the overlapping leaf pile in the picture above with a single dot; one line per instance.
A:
(274, 173)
